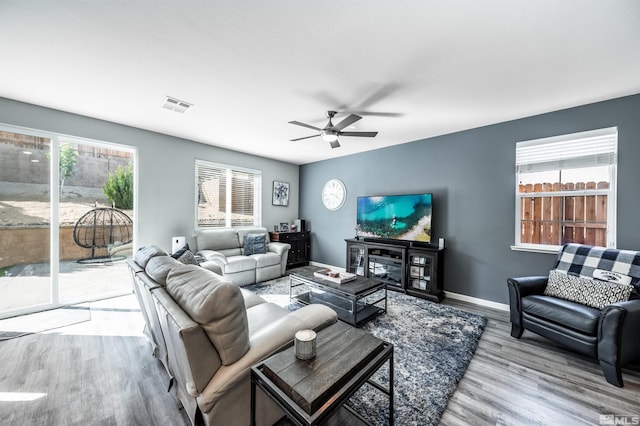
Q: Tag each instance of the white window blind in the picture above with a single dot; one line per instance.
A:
(578, 150)
(227, 196)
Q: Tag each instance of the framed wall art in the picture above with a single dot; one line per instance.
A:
(280, 193)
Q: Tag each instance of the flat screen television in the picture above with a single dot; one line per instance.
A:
(396, 217)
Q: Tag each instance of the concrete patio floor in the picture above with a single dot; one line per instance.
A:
(29, 285)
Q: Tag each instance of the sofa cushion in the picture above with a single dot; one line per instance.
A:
(216, 304)
(239, 264)
(594, 293)
(571, 314)
(145, 253)
(250, 298)
(158, 268)
(218, 239)
(254, 244)
(266, 259)
(263, 314)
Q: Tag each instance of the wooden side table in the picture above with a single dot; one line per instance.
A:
(300, 242)
(313, 392)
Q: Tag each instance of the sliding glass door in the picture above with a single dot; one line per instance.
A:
(95, 219)
(25, 221)
(65, 231)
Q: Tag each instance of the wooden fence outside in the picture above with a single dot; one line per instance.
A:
(566, 218)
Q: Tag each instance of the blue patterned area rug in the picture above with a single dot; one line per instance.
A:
(433, 345)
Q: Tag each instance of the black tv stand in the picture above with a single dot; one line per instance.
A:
(422, 244)
(386, 241)
(415, 269)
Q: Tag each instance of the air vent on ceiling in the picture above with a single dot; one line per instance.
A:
(176, 104)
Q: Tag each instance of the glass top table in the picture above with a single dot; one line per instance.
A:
(354, 301)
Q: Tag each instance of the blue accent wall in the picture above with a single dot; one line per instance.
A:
(472, 177)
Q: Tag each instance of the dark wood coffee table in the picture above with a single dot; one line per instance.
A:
(314, 392)
(354, 301)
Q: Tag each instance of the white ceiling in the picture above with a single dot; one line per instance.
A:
(412, 69)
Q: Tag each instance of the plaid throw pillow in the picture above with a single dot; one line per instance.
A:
(584, 260)
(594, 293)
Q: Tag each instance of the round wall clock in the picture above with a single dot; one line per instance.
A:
(334, 194)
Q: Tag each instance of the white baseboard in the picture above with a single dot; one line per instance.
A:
(477, 301)
(455, 296)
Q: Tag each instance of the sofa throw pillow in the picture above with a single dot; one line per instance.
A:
(180, 251)
(611, 276)
(188, 258)
(255, 244)
(594, 293)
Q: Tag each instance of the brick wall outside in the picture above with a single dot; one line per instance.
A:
(31, 245)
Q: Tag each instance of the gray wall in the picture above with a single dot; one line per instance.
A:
(472, 177)
(165, 185)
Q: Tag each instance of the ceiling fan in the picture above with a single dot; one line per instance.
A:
(331, 132)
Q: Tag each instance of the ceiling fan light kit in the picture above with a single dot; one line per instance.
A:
(331, 133)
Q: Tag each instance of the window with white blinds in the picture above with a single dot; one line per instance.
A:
(227, 196)
(565, 190)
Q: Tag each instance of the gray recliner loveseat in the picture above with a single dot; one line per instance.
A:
(229, 250)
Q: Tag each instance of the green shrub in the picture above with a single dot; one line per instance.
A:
(68, 156)
(119, 187)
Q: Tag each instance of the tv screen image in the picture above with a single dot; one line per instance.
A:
(398, 217)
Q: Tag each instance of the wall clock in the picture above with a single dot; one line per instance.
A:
(334, 194)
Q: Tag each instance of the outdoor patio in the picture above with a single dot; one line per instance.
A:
(28, 285)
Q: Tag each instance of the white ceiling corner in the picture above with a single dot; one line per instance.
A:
(413, 69)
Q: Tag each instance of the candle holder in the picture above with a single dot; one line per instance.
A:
(305, 344)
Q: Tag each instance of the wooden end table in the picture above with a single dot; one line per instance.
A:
(314, 392)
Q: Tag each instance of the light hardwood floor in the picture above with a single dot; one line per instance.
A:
(102, 372)
(532, 381)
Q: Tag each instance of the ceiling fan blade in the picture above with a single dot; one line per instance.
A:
(378, 94)
(347, 122)
(306, 137)
(377, 114)
(334, 144)
(297, 123)
(360, 134)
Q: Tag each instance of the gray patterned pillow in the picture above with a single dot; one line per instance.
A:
(594, 293)
(188, 258)
(255, 244)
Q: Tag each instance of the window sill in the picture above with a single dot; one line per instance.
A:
(546, 249)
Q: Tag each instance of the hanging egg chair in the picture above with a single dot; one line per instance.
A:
(103, 227)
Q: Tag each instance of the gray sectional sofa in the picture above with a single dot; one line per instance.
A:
(207, 332)
(226, 248)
